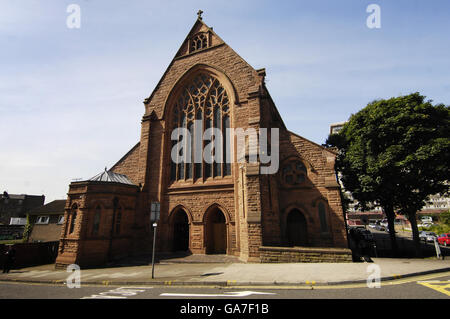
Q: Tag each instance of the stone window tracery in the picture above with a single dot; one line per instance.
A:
(294, 173)
(199, 41)
(203, 101)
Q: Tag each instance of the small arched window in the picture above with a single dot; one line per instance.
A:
(294, 173)
(96, 221)
(118, 220)
(73, 219)
(323, 218)
(200, 41)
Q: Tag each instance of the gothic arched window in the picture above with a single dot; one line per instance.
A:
(73, 218)
(294, 173)
(322, 218)
(202, 104)
(200, 41)
(118, 220)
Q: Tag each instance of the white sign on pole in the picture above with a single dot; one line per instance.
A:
(155, 211)
(438, 249)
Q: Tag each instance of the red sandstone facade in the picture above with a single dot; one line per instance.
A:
(235, 210)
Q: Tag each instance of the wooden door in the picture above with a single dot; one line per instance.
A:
(297, 234)
(219, 238)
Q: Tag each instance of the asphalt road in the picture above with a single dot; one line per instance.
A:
(424, 287)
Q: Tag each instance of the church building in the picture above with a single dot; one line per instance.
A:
(209, 207)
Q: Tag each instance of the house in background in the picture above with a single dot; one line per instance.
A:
(47, 221)
(336, 127)
(17, 206)
(13, 210)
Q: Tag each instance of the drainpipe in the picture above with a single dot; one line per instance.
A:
(115, 202)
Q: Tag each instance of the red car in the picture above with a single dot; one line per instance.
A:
(444, 239)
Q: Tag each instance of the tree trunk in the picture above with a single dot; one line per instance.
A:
(415, 232)
(390, 215)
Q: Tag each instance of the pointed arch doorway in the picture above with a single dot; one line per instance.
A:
(216, 232)
(180, 231)
(296, 228)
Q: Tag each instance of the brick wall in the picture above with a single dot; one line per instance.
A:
(304, 254)
(83, 246)
(128, 164)
(43, 233)
(320, 186)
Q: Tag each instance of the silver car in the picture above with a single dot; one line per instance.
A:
(427, 236)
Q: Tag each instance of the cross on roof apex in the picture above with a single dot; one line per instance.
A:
(199, 14)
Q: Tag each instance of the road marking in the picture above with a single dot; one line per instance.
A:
(226, 294)
(113, 275)
(29, 273)
(122, 274)
(118, 293)
(396, 282)
(441, 286)
(43, 274)
(37, 273)
(90, 276)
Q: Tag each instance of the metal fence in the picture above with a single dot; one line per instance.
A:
(383, 248)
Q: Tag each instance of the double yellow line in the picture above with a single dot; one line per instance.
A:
(308, 284)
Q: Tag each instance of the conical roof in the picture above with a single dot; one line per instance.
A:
(111, 177)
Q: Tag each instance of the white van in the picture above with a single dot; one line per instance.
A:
(426, 220)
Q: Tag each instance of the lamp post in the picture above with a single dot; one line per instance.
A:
(154, 218)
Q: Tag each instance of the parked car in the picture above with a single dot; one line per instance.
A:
(387, 229)
(444, 239)
(423, 236)
(427, 236)
(380, 227)
(426, 220)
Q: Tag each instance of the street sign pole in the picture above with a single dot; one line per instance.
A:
(154, 218)
(155, 225)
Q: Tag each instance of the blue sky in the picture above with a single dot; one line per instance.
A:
(71, 99)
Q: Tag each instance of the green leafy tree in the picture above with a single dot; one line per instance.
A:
(444, 218)
(395, 153)
(27, 230)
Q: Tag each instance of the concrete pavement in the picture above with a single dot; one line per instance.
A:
(231, 273)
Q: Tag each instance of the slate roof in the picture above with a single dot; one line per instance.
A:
(55, 207)
(111, 177)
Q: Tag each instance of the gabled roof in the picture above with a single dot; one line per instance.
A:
(111, 177)
(55, 207)
(199, 26)
(126, 155)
